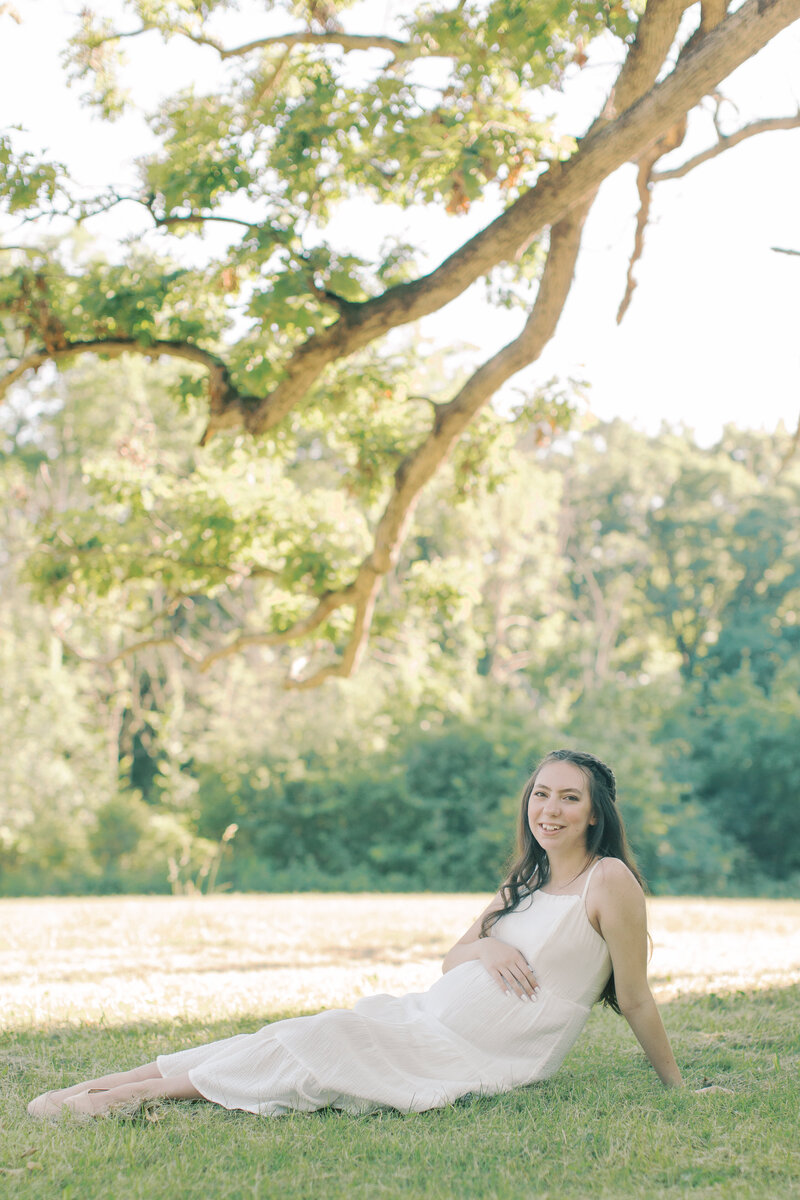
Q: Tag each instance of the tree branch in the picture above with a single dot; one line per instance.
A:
(768, 125)
(560, 200)
(221, 390)
(193, 218)
(347, 41)
(644, 186)
(301, 37)
(711, 13)
(149, 643)
(200, 218)
(654, 37)
(450, 421)
(560, 189)
(324, 607)
(368, 587)
(656, 30)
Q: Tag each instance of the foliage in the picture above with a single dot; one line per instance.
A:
(55, 767)
(233, 265)
(26, 182)
(436, 810)
(745, 764)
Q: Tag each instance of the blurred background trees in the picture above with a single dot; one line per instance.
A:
(636, 595)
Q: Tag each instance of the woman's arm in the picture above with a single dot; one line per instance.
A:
(467, 946)
(645, 1021)
(622, 916)
(507, 966)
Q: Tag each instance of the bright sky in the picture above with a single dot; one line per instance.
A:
(712, 333)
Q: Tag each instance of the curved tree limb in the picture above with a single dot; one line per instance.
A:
(219, 383)
(200, 219)
(655, 35)
(150, 643)
(325, 606)
(299, 37)
(646, 177)
(725, 142)
(712, 12)
(419, 467)
(644, 185)
(305, 37)
(192, 218)
(450, 421)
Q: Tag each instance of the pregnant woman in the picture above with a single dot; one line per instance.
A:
(566, 929)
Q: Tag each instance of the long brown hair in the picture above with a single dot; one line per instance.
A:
(530, 868)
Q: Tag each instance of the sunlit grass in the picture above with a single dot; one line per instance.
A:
(121, 959)
(91, 984)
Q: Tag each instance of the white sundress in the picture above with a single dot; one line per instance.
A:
(426, 1049)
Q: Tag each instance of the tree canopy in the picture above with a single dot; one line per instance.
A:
(278, 331)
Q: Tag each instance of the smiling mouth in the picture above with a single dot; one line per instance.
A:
(550, 828)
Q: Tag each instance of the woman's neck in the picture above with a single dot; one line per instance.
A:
(565, 871)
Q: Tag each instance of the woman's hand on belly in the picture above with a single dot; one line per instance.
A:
(508, 967)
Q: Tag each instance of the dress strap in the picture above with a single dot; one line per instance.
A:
(588, 878)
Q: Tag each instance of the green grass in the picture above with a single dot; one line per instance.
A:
(602, 1128)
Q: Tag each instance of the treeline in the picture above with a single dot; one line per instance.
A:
(638, 596)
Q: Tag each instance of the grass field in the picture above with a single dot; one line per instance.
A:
(86, 985)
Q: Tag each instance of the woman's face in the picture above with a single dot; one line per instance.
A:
(560, 807)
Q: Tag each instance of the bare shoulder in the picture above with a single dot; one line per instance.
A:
(615, 889)
(612, 873)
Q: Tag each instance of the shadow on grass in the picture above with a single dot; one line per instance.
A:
(602, 1127)
(336, 956)
(719, 1036)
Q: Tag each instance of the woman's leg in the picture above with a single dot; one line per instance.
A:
(49, 1103)
(96, 1102)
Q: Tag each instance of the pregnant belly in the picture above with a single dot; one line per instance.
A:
(469, 1002)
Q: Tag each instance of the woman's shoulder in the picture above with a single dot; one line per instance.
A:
(615, 898)
(615, 880)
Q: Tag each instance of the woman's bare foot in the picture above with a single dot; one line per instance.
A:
(46, 1105)
(49, 1104)
(91, 1103)
(96, 1102)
